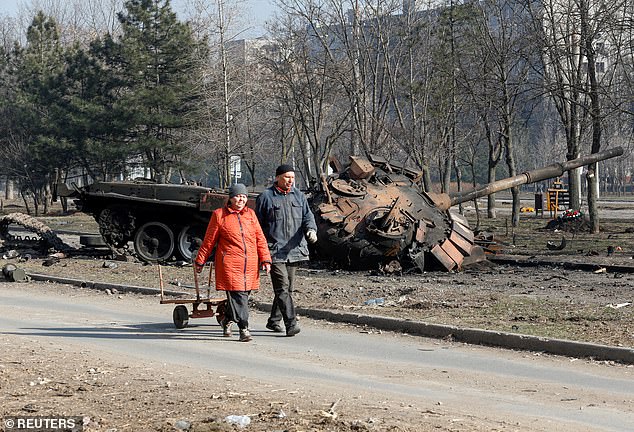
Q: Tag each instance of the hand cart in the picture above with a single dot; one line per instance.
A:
(181, 314)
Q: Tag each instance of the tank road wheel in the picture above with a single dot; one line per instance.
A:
(116, 225)
(180, 316)
(189, 240)
(154, 241)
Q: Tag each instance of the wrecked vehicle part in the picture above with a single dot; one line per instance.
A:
(383, 217)
(371, 212)
(162, 221)
(556, 247)
(46, 237)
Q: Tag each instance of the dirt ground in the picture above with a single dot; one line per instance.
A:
(595, 305)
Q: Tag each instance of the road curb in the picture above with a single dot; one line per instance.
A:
(103, 285)
(479, 337)
(439, 331)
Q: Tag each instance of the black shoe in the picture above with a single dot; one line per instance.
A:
(274, 327)
(292, 330)
(245, 335)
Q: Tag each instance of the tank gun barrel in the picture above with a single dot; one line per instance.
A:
(539, 174)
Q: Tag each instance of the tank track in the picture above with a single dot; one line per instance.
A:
(46, 235)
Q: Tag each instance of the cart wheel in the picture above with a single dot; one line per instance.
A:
(220, 312)
(181, 316)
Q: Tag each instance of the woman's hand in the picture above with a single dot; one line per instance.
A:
(266, 266)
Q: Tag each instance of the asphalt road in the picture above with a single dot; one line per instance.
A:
(547, 392)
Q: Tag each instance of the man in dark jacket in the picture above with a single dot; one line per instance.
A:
(288, 224)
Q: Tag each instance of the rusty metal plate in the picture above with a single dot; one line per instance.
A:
(326, 208)
(443, 258)
(210, 201)
(461, 243)
(346, 206)
(459, 218)
(350, 226)
(360, 168)
(452, 251)
(333, 217)
(463, 231)
(420, 234)
(343, 187)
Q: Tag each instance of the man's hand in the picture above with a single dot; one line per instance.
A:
(311, 236)
(198, 267)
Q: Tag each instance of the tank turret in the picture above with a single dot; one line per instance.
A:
(373, 212)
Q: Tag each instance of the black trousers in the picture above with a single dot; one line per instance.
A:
(283, 308)
(237, 309)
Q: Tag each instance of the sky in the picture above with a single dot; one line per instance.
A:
(259, 10)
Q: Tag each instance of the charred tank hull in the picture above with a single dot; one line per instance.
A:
(163, 221)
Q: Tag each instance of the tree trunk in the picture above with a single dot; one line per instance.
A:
(26, 202)
(9, 189)
(593, 212)
(491, 198)
(595, 115)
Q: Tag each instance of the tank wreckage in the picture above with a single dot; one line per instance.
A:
(161, 220)
(369, 213)
(373, 212)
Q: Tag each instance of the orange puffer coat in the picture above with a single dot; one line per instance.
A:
(241, 248)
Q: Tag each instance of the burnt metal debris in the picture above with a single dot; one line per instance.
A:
(44, 236)
(371, 214)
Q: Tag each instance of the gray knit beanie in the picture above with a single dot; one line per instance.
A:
(238, 189)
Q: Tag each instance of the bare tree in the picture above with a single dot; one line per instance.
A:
(584, 62)
(219, 24)
(308, 87)
(79, 21)
(498, 83)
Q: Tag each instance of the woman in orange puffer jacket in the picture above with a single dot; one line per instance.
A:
(241, 251)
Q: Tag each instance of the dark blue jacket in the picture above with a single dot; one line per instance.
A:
(285, 219)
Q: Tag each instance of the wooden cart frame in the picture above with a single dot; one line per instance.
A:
(181, 314)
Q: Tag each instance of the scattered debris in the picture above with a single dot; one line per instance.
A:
(601, 270)
(331, 414)
(11, 254)
(50, 261)
(374, 302)
(239, 420)
(553, 246)
(612, 249)
(14, 274)
(183, 425)
(618, 305)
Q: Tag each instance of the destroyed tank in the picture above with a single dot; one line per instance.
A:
(373, 213)
(162, 221)
(369, 214)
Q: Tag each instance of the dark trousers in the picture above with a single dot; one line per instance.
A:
(237, 309)
(283, 308)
